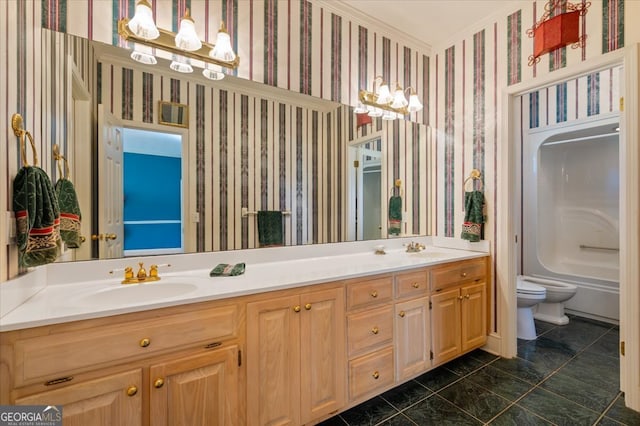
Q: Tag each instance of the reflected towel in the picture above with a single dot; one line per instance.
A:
(69, 213)
(270, 228)
(37, 217)
(472, 228)
(395, 215)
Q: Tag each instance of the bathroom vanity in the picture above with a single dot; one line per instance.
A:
(343, 331)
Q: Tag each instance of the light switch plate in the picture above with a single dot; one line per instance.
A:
(10, 226)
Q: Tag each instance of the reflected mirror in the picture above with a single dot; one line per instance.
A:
(245, 147)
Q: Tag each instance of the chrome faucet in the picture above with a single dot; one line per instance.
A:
(414, 247)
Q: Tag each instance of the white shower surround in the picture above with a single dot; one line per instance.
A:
(570, 206)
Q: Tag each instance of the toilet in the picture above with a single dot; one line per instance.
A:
(552, 309)
(528, 295)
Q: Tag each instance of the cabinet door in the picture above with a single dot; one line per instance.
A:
(445, 317)
(412, 334)
(273, 361)
(196, 390)
(111, 400)
(323, 353)
(474, 314)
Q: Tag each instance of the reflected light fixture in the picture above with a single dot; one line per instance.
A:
(142, 30)
(383, 103)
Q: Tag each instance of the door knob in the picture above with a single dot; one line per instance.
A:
(110, 236)
(132, 390)
(296, 308)
(307, 306)
(158, 383)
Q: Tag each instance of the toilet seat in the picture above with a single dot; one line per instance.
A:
(525, 287)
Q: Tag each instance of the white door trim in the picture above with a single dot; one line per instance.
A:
(629, 200)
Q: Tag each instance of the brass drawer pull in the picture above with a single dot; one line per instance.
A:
(416, 285)
(132, 390)
(145, 342)
(376, 375)
(375, 330)
(307, 306)
(463, 274)
(296, 308)
(374, 294)
(401, 314)
(158, 383)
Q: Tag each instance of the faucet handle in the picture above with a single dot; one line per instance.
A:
(153, 271)
(142, 274)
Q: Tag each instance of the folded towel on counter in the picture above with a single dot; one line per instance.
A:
(227, 270)
(37, 217)
(472, 228)
(270, 228)
(69, 213)
(395, 215)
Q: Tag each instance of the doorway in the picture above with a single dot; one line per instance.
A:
(365, 190)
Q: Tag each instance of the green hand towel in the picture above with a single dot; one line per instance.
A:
(270, 228)
(227, 270)
(473, 217)
(395, 215)
(37, 216)
(69, 213)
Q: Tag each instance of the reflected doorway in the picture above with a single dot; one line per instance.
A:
(365, 190)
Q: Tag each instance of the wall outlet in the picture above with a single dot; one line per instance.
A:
(195, 217)
(10, 226)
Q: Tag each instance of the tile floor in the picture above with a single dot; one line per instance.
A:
(568, 376)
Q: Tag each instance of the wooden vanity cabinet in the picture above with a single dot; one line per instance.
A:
(104, 371)
(295, 356)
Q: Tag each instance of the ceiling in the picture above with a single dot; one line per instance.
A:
(435, 21)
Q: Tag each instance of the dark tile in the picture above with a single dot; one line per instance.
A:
(593, 397)
(475, 400)
(608, 345)
(523, 369)
(483, 356)
(622, 414)
(606, 421)
(579, 333)
(595, 369)
(406, 394)
(369, 413)
(543, 327)
(399, 420)
(463, 365)
(500, 382)
(437, 378)
(546, 352)
(576, 318)
(437, 411)
(557, 409)
(518, 416)
(333, 421)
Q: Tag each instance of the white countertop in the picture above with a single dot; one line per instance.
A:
(59, 300)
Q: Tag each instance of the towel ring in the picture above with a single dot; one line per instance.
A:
(473, 175)
(16, 125)
(58, 157)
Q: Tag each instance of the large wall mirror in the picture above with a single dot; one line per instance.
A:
(147, 188)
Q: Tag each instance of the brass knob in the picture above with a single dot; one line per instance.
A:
(467, 296)
(375, 375)
(459, 297)
(158, 383)
(464, 274)
(307, 306)
(296, 308)
(97, 237)
(145, 342)
(82, 238)
(110, 236)
(132, 390)
(416, 285)
(375, 330)
(401, 314)
(374, 293)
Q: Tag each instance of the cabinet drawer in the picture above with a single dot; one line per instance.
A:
(458, 273)
(47, 357)
(411, 284)
(370, 373)
(369, 292)
(369, 330)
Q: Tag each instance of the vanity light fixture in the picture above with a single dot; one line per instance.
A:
(142, 30)
(383, 103)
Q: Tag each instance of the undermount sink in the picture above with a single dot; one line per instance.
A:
(144, 292)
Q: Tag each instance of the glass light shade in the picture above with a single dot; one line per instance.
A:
(212, 74)
(222, 49)
(181, 67)
(141, 55)
(384, 95)
(187, 38)
(414, 103)
(360, 108)
(142, 24)
(399, 100)
(375, 112)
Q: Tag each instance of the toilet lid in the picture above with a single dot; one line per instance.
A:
(525, 287)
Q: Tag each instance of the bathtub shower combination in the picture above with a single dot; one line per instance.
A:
(570, 226)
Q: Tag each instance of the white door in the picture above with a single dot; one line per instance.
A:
(110, 202)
